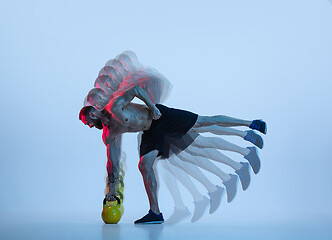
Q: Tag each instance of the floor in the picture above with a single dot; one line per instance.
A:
(97, 230)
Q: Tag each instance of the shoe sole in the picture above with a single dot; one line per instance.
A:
(154, 222)
(265, 127)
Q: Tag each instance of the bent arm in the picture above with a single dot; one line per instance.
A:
(126, 97)
(142, 94)
(113, 163)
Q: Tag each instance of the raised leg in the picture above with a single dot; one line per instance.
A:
(185, 181)
(249, 135)
(146, 168)
(180, 210)
(194, 172)
(200, 201)
(172, 186)
(215, 129)
(219, 143)
(215, 155)
(229, 180)
(221, 120)
(203, 149)
(205, 164)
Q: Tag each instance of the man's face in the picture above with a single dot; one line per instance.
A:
(92, 122)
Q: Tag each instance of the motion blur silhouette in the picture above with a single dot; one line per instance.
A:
(171, 137)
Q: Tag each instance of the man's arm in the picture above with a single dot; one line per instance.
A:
(120, 102)
(113, 164)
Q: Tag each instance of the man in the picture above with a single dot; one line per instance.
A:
(161, 126)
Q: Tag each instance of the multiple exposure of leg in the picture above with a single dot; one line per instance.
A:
(198, 154)
(215, 129)
(204, 163)
(229, 180)
(213, 154)
(221, 120)
(200, 201)
(249, 135)
(180, 210)
(215, 192)
(241, 169)
(225, 121)
(209, 144)
(218, 143)
(194, 172)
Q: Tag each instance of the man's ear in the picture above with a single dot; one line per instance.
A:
(92, 115)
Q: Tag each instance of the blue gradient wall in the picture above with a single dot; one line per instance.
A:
(247, 59)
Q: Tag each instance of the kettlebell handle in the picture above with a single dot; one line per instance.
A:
(117, 199)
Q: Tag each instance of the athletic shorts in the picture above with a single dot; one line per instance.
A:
(170, 134)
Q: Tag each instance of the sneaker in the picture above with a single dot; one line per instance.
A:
(231, 187)
(253, 159)
(254, 139)
(215, 198)
(259, 125)
(244, 175)
(178, 215)
(151, 218)
(200, 207)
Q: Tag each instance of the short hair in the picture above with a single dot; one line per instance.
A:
(85, 111)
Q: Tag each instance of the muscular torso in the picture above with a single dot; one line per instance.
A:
(135, 118)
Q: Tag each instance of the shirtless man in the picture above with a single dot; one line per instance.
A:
(121, 116)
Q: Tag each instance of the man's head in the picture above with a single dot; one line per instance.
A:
(91, 117)
(98, 98)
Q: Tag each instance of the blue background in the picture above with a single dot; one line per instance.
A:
(247, 59)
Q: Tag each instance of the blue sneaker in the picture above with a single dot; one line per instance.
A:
(253, 159)
(244, 175)
(151, 218)
(254, 138)
(231, 187)
(259, 125)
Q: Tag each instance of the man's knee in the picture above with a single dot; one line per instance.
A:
(146, 162)
(202, 121)
(142, 165)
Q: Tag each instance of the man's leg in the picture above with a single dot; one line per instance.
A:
(198, 156)
(180, 210)
(208, 144)
(225, 121)
(200, 201)
(219, 143)
(229, 180)
(146, 168)
(204, 163)
(248, 135)
(213, 154)
(220, 120)
(195, 172)
(215, 129)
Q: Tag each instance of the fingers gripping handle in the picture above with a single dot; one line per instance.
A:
(117, 199)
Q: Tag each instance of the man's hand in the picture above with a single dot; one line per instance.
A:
(156, 113)
(110, 197)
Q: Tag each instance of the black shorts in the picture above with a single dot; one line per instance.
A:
(170, 133)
